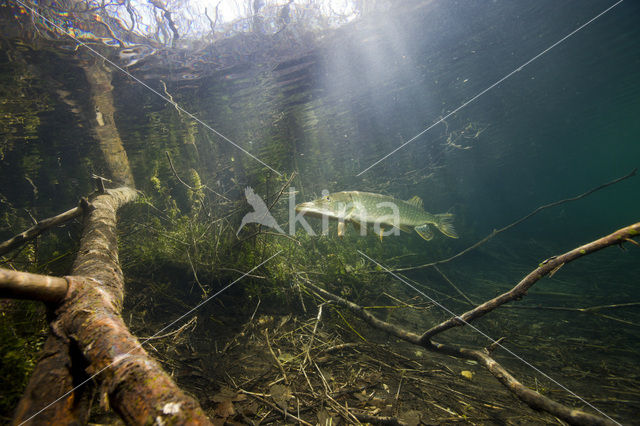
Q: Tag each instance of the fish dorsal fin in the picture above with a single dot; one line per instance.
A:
(415, 201)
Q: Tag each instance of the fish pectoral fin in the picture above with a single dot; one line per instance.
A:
(341, 228)
(425, 231)
(381, 233)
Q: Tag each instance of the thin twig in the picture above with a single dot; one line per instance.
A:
(527, 395)
(175, 173)
(517, 222)
(195, 275)
(275, 407)
(315, 328)
(453, 285)
(174, 332)
(275, 200)
(284, 375)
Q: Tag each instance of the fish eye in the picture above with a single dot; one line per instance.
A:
(327, 198)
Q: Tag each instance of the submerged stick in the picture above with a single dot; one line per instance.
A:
(543, 269)
(517, 222)
(42, 226)
(275, 357)
(532, 398)
(24, 285)
(191, 188)
(525, 394)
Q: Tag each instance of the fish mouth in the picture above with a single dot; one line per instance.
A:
(305, 206)
(310, 209)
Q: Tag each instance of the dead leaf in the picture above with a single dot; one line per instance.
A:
(228, 394)
(224, 394)
(411, 418)
(281, 395)
(225, 409)
(250, 409)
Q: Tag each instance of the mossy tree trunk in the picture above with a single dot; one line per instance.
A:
(88, 335)
(104, 125)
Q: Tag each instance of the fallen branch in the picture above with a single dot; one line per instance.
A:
(546, 267)
(528, 396)
(42, 226)
(517, 222)
(23, 285)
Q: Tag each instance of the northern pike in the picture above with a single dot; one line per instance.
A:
(383, 211)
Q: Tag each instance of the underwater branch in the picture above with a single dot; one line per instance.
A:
(547, 267)
(532, 398)
(24, 285)
(89, 343)
(42, 226)
(537, 210)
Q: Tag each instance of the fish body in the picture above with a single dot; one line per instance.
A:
(383, 211)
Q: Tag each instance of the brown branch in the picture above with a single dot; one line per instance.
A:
(23, 285)
(517, 222)
(543, 269)
(528, 396)
(42, 226)
(88, 334)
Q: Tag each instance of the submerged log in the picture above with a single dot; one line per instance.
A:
(88, 335)
(104, 125)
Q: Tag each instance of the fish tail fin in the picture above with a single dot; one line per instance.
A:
(444, 222)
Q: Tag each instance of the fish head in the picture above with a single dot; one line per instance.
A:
(334, 205)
